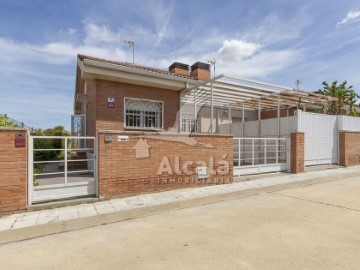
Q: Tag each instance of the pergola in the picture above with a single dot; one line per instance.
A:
(234, 92)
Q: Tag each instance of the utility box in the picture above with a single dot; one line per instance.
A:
(202, 172)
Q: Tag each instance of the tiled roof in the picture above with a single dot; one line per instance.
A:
(126, 64)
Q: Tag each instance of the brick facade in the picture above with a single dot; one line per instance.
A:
(106, 118)
(201, 74)
(13, 171)
(297, 162)
(122, 171)
(349, 146)
(273, 113)
(180, 71)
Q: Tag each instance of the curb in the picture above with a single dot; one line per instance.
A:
(26, 233)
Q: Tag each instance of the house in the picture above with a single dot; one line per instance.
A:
(113, 95)
(185, 99)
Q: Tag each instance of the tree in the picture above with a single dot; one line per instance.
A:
(345, 95)
(5, 121)
(44, 143)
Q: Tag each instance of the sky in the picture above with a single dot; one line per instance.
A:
(277, 41)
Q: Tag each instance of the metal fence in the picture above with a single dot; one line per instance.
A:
(256, 155)
(57, 170)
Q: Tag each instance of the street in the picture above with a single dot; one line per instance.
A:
(312, 227)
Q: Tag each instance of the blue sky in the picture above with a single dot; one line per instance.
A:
(278, 41)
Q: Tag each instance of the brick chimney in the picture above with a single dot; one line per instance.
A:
(201, 71)
(179, 68)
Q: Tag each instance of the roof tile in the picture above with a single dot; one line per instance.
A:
(126, 64)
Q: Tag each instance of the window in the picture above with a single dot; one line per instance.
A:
(188, 123)
(142, 113)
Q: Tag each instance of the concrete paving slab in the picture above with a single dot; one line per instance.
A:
(46, 220)
(88, 213)
(68, 216)
(6, 225)
(24, 223)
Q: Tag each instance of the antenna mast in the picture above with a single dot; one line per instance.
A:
(213, 63)
(131, 43)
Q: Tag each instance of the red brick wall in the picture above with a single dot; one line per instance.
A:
(273, 113)
(90, 107)
(121, 173)
(113, 118)
(349, 143)
(297, 162)
(13, 171)
(180, 71)
(201, 74)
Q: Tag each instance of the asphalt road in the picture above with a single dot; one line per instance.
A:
(313, 227)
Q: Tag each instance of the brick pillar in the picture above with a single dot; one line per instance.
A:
(13, 170)
(342, 149)
(349, 147)
(297, 153)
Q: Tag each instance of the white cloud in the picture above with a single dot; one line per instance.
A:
(350, 16)
(262, 64)
(71, 31)
(235, 50)
(273, 29)
(239, 57)
(98, 41)
(99, 34)
(162, 21)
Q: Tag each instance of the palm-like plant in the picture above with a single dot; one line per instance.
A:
(344, 94)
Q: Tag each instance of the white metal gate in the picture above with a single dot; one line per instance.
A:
(260, 155)
(321, 137)
(61, 167)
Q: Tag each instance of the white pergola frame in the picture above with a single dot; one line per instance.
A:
(228, 91)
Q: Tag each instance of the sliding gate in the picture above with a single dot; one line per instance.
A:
(61, 167)
(321, 137)
(260, 155)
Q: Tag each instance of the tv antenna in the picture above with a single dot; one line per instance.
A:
(131, 43)
(298, 82)
(213, 63)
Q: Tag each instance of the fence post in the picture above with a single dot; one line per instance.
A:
(277, 150)
(253, 150)
(265, 149)
(30, 169)
(65, 165)
(239, 146)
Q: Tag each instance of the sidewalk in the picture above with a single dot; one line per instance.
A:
(27, 225)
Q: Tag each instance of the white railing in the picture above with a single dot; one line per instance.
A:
(60, 168)
(256, 155)
(268, 128)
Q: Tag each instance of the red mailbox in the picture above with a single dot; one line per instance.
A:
(20, 140)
